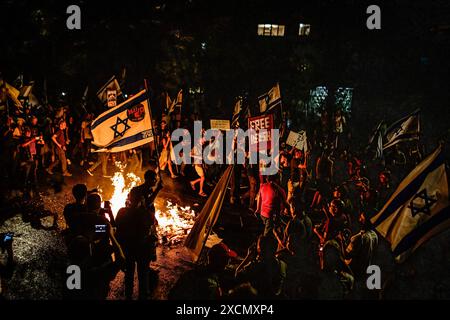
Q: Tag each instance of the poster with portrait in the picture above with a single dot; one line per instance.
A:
(111, 98)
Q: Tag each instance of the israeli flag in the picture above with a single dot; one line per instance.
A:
(270, 100)
(405, 129)
(418, 210)
(124, 127)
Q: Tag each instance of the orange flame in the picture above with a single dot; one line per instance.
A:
(121, 189)
(174, 221)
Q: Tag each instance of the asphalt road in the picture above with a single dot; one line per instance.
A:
(41, 256)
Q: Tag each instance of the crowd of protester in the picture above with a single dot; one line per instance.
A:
(36, 144)
(316, 240)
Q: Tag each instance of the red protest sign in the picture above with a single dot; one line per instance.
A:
(261, 139)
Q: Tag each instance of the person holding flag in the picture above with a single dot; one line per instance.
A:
(136, 233)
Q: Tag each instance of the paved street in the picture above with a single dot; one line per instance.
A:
(41, 256)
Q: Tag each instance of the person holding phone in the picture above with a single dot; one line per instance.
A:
(105, 253)
(106, 211)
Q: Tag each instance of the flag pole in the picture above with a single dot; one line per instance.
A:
(283, 124)
(151, 124)
(83, 99)
(179, 114)
(45, 92)
(7, 106)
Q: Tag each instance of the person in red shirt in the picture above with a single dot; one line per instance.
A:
(271, 202)
(59, 139)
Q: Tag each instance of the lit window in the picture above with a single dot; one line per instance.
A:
(198, 90)
(274, 30)
(304, 29)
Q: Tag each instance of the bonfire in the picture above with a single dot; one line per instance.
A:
(174, 221)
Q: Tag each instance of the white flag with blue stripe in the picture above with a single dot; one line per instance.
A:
(124, 127)
(418, 210)
(236, 113)
(405, 129)
(270, 99)
(175, 103)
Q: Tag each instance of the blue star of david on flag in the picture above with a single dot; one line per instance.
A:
(119, 121)
(428, 203)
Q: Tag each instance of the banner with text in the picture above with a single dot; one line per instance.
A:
(220, 124)
(261, 140)
(298, 140)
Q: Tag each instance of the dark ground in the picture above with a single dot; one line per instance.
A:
(41, 257)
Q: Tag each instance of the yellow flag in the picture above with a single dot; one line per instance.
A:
(13, 93)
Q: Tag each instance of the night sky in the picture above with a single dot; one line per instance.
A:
(213, 45)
